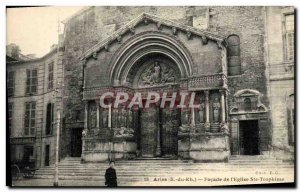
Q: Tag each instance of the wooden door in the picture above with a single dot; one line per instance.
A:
(148, 133)
(170, 122)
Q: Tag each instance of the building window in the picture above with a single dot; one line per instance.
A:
(49, 119)
(289, 36)
(31, 82)
(50, 76)
(30, 118)
(233, 55)
(11, 83)
(10, 116)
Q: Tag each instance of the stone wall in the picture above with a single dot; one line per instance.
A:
(96, 23)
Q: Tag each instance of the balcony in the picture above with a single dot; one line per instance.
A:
(282, 71)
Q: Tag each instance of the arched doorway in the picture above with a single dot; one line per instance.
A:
(153, 62)
(158, 125)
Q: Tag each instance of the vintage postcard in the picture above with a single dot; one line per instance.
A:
(152, 96)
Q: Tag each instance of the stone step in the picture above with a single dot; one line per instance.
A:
(251, 157)
(174, 165)
(169, 162)
(177, 172)
(87, 178)
(168, 168)
(130, 171)
(144, 171)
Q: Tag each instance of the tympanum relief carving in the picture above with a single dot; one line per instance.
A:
(157, 73)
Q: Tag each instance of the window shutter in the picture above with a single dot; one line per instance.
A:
(34, 81)
(52, 117)
(28, 78)
(11, 83)
(32, 120)
(27, 117)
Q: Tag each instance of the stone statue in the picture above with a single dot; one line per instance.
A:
(216, 110)
(84, 132)
(115, 118)
(129, 119)
(93, 116)
(157, 73)
(105, 118)
(201, 112)
(186, 118)
(123, 117)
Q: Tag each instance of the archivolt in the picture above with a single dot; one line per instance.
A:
(146, 43)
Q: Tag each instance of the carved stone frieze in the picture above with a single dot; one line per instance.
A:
(157, 74)
(123, 132)
(207, 81)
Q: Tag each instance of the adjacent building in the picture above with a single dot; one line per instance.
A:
(32, 105)
(280, 61)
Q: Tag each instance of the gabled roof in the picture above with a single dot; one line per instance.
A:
(158, 20)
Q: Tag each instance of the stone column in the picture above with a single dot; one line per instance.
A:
(223, 113)
(86, 115)
(223, 125)
(193, 116)
(207, 123)
(193, 124)
(98, 115)
(84, 132)
(109, 116)
(158, 147)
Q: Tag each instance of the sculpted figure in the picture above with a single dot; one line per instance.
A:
(201, 111)
(146, 77)
(216, 110)
(168, 76)
(156, 75)
(105, 118)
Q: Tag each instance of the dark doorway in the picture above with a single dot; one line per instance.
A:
(28, 155)
(47, 155)
(249, 137)
(76, 142)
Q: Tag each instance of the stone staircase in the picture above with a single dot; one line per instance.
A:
(143, 172)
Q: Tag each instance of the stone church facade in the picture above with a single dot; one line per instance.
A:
(217, 53)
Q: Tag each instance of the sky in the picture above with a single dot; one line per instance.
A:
(34, 29)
